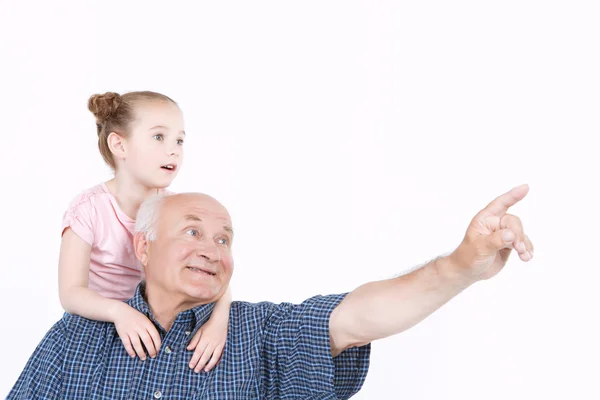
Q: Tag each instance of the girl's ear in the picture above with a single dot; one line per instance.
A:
(116, 145)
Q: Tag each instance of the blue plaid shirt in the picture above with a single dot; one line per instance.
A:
(273, 351)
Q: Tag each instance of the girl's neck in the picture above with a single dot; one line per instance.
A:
(129, 193)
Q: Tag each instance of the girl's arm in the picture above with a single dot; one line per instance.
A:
(76, 298)
(209, 341)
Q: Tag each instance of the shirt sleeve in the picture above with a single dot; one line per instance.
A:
(42, 377)
(79, 217)
(297, 353)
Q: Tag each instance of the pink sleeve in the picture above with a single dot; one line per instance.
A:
(79, 218)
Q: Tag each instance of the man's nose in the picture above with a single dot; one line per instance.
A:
(209, 252)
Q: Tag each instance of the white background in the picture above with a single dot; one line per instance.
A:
(351, 141)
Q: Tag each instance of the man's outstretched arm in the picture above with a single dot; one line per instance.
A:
(380, 309)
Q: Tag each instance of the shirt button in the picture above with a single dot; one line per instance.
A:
(168, 351)
(157, 394)
(187, 333)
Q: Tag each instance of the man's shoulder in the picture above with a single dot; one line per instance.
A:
(72, 324)
(315, 299)
(256, 309)
(73, 328)
(322, 304)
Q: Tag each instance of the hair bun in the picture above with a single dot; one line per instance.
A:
(104, 105)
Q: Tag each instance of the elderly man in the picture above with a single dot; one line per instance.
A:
(318, 349)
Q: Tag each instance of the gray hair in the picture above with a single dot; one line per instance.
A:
(147, 216)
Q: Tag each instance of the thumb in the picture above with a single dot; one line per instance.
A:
(501, 239)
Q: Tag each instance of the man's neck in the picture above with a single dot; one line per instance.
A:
(165, 307)
(128, 193)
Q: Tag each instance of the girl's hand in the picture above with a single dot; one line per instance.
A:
(208, 342)
(134, 328)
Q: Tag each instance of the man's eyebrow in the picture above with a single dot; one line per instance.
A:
(196, 218)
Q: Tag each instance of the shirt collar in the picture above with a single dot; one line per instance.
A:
(194, 317)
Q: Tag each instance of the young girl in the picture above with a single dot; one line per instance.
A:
(140, 135)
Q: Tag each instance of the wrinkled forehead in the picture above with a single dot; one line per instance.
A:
(181, 207)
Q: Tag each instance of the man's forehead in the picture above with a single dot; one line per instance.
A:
(199, 207)
(201, 214)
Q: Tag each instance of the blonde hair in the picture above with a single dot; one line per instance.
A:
(114, 113)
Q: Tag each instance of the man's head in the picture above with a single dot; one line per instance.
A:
(184, 243)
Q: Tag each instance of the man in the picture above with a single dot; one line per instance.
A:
(318, 349)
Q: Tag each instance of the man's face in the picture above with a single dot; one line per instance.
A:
(190, 260)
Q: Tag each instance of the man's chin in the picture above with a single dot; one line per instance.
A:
(203, 295)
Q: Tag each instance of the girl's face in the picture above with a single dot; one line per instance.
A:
(154, 148)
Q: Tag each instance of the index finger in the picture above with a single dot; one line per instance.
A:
(500, 205)
(155, 337)
(147, 341)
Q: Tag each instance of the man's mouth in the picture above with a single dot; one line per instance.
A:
(170, 167)
(202, 271)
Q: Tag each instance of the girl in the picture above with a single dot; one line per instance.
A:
(140, 136)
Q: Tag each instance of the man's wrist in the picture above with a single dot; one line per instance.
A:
(451, 270)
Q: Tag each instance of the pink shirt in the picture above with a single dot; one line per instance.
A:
(95, 217)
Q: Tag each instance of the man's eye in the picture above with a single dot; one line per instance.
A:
(192, 232)
(223, 241)
(158, 137)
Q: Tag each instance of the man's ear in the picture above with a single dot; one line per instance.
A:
(140, 246)
(116, 145)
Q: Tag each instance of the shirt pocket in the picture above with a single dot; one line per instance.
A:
(227, 389)
(226, 395)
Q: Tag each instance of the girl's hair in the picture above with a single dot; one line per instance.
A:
(114, 113)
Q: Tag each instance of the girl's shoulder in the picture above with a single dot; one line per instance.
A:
(85, 210)
(90, 196)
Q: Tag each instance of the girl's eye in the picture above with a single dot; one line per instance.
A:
(224, 241)
(180, 142)
(192, 232)
(158, 137)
